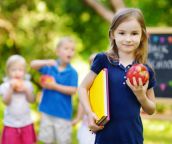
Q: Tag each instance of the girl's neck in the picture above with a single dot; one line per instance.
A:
(126, 59)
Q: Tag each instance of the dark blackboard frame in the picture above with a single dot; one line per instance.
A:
(159, 30)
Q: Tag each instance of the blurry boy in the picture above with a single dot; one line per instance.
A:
(56, 104)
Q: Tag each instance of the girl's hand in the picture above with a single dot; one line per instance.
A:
(138, 89)
(75, 121)
(21, 87)
(17, 85)
(92, 118)
(13, 83)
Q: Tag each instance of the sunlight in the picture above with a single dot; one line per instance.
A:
(41, 7)
(156, 127)
(35, 116)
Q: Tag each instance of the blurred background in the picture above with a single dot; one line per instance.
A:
(32, 28)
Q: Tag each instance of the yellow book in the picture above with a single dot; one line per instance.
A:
(99, 97)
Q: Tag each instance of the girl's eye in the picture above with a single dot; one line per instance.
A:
(134, 33)
(121, 33)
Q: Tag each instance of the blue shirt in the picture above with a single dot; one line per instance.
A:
(125, 125)
(56, 103)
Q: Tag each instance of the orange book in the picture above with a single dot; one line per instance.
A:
(99, 97)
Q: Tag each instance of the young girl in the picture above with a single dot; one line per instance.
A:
(128, 46)
(17, 94)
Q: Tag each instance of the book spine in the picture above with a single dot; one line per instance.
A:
(107, 88)
(101, 121)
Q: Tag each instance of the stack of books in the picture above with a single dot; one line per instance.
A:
(99, 97)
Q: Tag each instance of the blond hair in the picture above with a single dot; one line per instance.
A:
(64, 40)
(124, 15)
(14, 59)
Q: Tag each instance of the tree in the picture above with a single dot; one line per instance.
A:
(157, 13)
(107, 14)
(32, 27)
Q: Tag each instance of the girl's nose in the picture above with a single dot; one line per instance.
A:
(128, 38)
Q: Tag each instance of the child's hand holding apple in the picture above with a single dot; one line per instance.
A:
(17, 85)
(138, 71)
(47, 81)
(137, 80)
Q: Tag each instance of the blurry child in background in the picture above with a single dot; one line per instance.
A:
(85, 136)
(17, 94)
(56, 104)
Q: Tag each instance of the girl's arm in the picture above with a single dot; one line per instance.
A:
(8, 91)
(37, 64)
(8, 96)
(145, 96)
(29, 94)
(79, 115)
(148, 103)
(83, 95)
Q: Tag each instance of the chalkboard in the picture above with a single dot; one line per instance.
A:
(160, 57)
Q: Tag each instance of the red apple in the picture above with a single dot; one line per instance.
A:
(46, 79)
(18, 84)
(138, 71)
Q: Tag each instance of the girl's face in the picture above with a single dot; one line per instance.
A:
(66, 51)
(128, 36)
(17, 71)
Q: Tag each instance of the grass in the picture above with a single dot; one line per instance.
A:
(155, 131)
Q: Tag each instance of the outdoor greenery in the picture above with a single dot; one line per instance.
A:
(155, 131)
(33, 27)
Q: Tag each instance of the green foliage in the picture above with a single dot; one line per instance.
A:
(90, 28)
(32, 27)
(156, 13)
(164, 108)
(157, 132)
(160, 108)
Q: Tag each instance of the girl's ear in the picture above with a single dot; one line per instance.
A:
(111, 34)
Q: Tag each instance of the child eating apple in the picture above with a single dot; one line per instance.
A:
(17, 94)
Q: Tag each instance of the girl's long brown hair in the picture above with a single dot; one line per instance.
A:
(122, 15)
